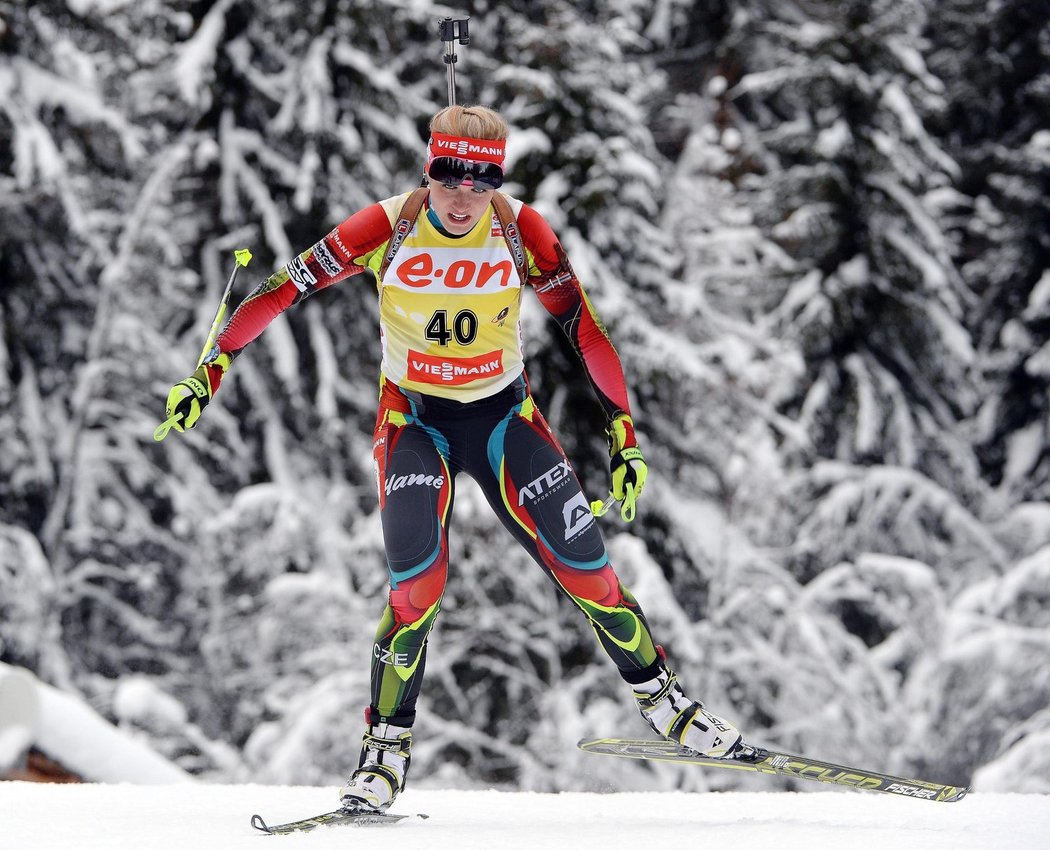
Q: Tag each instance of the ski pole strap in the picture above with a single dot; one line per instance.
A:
(162, 430)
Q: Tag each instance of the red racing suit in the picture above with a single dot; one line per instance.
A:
(455, 398)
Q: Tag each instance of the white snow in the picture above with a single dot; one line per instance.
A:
(216, 817)
(197, 56)
(1023, 450)
(831, 140)
(165, 810)
(19, 715)
(66, 728)
(1028, 759)
(159, 811)
(138, 699)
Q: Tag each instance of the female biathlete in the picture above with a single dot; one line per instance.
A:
(451, 261)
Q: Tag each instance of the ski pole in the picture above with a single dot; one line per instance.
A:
(242, 256)
(453, 30)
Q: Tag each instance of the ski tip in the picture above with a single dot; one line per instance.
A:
(586, 743)
(260, 824)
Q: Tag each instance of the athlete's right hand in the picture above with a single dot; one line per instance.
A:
(188, 398)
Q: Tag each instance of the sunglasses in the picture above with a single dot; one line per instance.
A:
(450, 171)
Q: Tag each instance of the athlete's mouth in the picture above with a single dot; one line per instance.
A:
(458, 217)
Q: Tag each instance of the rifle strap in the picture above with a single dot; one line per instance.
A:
(406, 219)
(509, 225)
(410, 210)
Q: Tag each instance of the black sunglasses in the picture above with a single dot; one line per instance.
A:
(450, 171)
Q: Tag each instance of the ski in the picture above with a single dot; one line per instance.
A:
(340, 817)
(759, 760)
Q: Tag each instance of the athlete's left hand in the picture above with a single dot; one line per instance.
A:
(627, 465)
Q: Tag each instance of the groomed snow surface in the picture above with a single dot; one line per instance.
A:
(194, 816)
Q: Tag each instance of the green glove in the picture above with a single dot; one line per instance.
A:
(627, 465)
(188, 398)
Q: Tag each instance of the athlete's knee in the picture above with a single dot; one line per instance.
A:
(600, 586)
(414, 597)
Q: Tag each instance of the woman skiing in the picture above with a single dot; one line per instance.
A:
(450, 262)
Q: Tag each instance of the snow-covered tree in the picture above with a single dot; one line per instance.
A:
(802, 238)
(995, 61)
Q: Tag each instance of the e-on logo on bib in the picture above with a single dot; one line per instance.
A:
(482, 270)
(428, 369)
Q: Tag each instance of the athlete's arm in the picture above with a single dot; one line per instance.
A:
(343, 252)
(562, 295)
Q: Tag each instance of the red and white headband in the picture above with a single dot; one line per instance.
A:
(460, 147)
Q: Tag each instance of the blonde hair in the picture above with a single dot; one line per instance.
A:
(469, 122)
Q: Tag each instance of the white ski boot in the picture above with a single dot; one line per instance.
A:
(674, 716)
(380, 776)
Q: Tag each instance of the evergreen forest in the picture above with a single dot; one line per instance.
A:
(818, 232)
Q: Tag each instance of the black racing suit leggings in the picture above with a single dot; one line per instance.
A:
(503, 442)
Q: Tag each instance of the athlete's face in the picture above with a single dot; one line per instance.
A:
(459, 207)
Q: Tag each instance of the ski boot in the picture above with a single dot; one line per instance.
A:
(674, 716)
(380, 776)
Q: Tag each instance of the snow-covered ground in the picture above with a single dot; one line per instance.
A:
(195, 816)
(141, 802)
